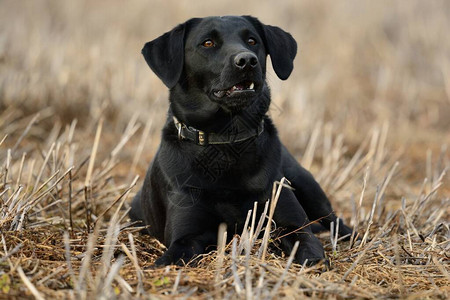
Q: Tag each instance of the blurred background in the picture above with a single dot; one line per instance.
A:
(361, 66)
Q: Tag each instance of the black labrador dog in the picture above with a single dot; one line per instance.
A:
(219, 151)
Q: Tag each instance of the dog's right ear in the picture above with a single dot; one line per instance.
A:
(165, 55)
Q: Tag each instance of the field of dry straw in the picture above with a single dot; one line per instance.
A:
(367, 110)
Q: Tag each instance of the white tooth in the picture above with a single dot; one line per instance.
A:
(252, 85)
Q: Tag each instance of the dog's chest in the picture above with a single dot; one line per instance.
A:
(234, 213)
(227, 163)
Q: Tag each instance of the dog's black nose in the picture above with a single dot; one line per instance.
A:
(245, 60)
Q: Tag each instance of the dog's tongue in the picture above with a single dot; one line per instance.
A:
(237, 87)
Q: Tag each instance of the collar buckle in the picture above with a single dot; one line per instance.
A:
(179, 127)
(201, 138)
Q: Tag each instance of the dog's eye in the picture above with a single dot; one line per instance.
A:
(208, 44)
(251, 41)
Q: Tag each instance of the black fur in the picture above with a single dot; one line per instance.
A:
(190, 189)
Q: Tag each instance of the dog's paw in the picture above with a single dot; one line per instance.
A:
(345, 231)
(310, 251)
(162, 261)
(166, 260)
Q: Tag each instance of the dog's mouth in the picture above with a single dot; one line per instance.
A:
(244, 88)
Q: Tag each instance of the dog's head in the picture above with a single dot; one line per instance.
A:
(220, 62)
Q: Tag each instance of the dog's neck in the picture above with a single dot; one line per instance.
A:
(238, 130)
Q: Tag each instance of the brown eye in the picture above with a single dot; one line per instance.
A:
(208, 44)
(251, 41)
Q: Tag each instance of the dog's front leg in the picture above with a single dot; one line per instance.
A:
(190, 230)
(290, 217)
(181, 251)
(310, 195)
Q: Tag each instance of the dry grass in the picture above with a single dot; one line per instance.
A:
(366, 109)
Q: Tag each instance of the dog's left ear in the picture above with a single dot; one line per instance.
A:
(165, 54)
(280, 45)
